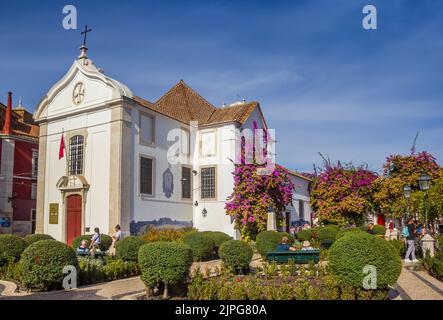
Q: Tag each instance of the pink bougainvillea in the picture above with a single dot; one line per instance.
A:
(253, 195)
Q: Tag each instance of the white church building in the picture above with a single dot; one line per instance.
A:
(113, 166)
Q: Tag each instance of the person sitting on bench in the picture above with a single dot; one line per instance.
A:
(83, 249)
(284, 246)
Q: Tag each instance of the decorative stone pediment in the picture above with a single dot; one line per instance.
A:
(84, 87)
(72, 183)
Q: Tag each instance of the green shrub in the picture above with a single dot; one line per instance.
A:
(379, 230)
(42, 264)
(327, 234)
(127, 248)
(350, 254)
(164, 263)
(304, 235)
(333, 289)
(166, 234)
(218, 237)
(106, 241)
(90, 270)
(201, 244)
(269, 240)
(11, 248)
(400, 246)
(344, 231)
(236, 255)
(118, 269)
(434, 265)
(31, 238)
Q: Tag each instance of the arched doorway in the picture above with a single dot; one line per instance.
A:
(73, 218)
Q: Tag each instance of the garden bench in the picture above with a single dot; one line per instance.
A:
(299, 256)
(98, 254)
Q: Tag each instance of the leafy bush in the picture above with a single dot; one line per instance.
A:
(166, 234)
(350, 254)
(11, 248)
(434, 265)
(333, 289)
(236, 255)
(118, 269)
(90, 270)
(304, 235)
(399, 246)
(218, 237)
(269, 240)
(127, 248)
(379, 230)
(106, 241)
(201, 244)
(31, 238)
(327, 234)
(164, 263)
(42, 264)
(344, 231)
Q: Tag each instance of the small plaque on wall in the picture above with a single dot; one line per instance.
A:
(53, 213)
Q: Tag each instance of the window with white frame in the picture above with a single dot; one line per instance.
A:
(146, 176)
(301, 209)
(76, 155)
(208, 144)
(186, 182)
(207, 182)
(147, 129)
(34, 172)
(34, 191)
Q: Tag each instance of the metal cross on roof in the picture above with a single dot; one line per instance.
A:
(84, 34)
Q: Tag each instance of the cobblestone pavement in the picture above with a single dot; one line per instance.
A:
(418, 285)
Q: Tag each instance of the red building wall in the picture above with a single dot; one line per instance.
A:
(22, 183)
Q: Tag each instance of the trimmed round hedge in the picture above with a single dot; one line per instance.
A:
(304, 235)
(11, 247)
(379, 230)
(202, 245)
(127, 248)
(165, 263)
(106, 241)
(218, 237)
(345, 231)
(269, 240)
(349, 255)
(31, 238)
(42, 264)
(236, 255)
(327, 234)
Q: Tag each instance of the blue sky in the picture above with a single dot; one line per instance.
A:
(324, 83)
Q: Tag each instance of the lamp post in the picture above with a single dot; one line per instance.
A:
(424, 182)
(407, 194)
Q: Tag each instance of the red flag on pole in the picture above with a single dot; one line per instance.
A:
(61, 151)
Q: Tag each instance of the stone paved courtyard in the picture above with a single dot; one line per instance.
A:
(412, 285)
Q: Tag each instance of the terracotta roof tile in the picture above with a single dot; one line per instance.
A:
(20, 126)
(184, 104)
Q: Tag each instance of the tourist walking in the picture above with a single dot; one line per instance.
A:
(115, 238)
(410, 240)
(95, 242)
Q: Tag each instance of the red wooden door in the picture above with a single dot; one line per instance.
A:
(74, 218)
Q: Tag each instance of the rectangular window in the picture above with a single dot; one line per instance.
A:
(301, 209)
(208, 183)
(76, 152)
(146, 176)
(208, 143)
(147, 131)
(186, 183)
(34, 191)
(33, 219)
(34, 164)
